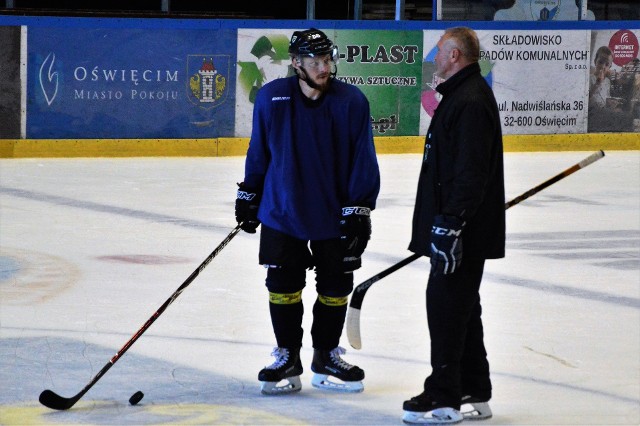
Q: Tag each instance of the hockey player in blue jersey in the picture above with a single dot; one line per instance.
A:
(311, 179)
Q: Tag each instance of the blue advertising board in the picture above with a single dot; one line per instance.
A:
(130, 83)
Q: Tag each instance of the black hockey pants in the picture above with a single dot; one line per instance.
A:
(287, 260)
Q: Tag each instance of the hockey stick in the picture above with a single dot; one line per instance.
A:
(52, 400)
(355, 305)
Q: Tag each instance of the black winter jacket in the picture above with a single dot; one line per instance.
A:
(462, 171)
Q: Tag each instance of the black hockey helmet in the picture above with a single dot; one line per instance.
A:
(312, 42)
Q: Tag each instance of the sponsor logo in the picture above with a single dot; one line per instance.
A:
(207, 86)
(544, 10)
(267, 60)
(207, 82)
(48, 78)
(243, 195)
(95, 83)
(363, 211)
(624, 46)
(444, 231)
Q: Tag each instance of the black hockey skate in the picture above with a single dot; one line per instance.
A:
(328, 363)
(422, 409)
(474, 408)
(287, 366)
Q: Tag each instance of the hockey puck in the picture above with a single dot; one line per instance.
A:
(136, 397)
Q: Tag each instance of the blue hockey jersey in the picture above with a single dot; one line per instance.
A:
(311, 157)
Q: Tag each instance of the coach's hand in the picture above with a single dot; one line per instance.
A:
(446, 244)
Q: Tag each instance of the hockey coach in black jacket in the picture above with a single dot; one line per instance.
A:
(459, 222)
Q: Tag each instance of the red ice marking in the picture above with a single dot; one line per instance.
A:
(144, 259)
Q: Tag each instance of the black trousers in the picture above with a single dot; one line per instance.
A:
(458, 356)
(288, 259)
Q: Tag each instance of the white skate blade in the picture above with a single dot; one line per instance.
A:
(476, 411)
(288, 385)
(321, 381)
(439, 416)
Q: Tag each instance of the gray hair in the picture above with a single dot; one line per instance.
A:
(466, 41)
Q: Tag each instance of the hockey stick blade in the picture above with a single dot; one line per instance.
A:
(52, 400)
(355, 305)
(353, 314)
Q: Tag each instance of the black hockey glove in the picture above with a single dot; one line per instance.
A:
(247, 203)
(446, 244)
(355, 231)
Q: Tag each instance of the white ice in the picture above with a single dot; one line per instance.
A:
(91, 248)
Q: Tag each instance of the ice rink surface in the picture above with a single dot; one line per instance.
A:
(91, 248)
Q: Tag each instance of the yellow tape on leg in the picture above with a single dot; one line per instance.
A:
(285, 298)
(333, 301)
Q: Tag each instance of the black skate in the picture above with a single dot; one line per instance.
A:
(287, 366)
(422, 409)
(328, 363)
(474, 408)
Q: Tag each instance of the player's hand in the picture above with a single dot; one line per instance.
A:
(247, 204)
(355, 232)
